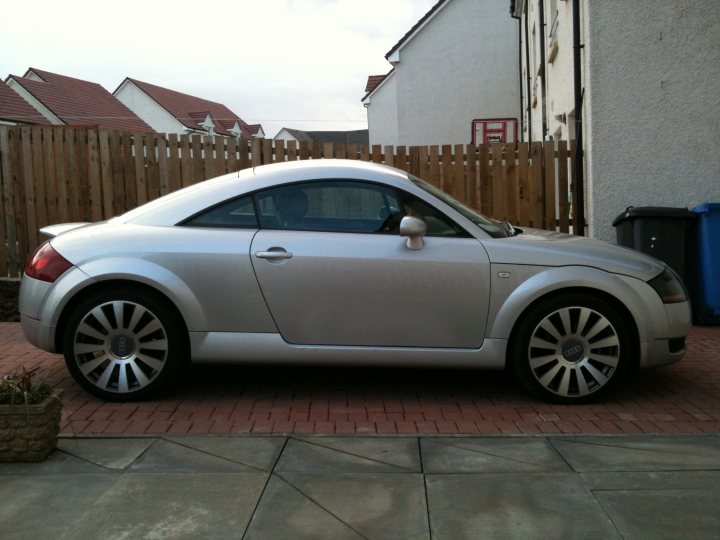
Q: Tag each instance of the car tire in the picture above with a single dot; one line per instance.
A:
(124, 344)
(570, 348)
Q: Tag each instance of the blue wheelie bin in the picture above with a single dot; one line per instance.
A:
(705, 292)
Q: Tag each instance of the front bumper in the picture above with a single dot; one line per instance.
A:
(671, 347)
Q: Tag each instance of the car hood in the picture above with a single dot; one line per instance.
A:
(548, 248)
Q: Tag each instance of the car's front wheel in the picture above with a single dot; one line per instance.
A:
(123, 345)
(570, 348)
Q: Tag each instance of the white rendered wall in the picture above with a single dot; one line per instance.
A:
(383, 114)
(146, 108)
(284, 135)
(460, 66)
(652, 106)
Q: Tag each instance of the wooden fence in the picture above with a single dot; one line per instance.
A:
(62, 174)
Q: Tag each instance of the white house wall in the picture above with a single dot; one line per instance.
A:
(284, 135)
(652, 107)
(383, 114)
(461, 66)
(146, 108)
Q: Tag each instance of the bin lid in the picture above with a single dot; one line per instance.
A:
(634, 212)
(707, 207)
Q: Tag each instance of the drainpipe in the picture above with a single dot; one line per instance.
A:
(541, 15)
(579, 228)
(529, 76)
(522, 116)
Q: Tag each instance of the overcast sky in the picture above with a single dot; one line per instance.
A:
(294, 63)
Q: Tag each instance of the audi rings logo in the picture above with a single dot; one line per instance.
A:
(573, 351)
(123, 346)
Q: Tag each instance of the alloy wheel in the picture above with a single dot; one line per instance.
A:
(120, 346)
(574, 351)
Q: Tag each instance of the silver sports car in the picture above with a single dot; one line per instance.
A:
(343, 262)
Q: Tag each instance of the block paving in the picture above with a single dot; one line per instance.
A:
(682, 398)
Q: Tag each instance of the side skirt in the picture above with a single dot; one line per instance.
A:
(266, 348)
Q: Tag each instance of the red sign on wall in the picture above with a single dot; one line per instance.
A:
(494, 130)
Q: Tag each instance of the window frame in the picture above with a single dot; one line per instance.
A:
(400, 195)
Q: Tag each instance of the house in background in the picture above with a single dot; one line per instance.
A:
(643, 108)
(458, 64)
(169, 111)
(15, 110)
(63, 100)
(358, 136)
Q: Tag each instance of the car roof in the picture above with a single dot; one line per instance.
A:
(181, 204)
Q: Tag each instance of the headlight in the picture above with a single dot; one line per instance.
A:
(669, 287)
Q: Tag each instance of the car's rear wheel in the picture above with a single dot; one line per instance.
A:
(570, 348)
(123, 345)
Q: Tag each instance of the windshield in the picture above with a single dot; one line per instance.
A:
(491, 227)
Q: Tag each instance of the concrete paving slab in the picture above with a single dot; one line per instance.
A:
(109, 453)
(640, 453)
(350, 454)
(527, 506)
(173, 506)
(258, 453)
(58, 462)
(169, 456)
(502, 454)
(660, 514)
(365, 505)
(285, 512)
(45, 507)
(652, 480)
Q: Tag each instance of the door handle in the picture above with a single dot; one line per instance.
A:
(274, 254)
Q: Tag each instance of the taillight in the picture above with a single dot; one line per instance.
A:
(46, 264)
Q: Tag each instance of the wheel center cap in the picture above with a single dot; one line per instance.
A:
(122, 346)
(573, 351)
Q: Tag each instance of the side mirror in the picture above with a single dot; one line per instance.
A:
(414, 229)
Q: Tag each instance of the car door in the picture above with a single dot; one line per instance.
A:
(334, 270)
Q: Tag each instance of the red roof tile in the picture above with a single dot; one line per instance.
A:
(78, 102)
(374, 81)
(15, 109)
(191, 110)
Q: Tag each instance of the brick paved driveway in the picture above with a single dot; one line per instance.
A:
(682, 398)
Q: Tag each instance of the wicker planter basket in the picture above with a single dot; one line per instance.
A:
(29, 432)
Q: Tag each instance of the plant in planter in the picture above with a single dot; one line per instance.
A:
(29, 417)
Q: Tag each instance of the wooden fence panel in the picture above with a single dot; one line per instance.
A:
(562, 164)
(56, 174)
(173, 163)
(22, 222)
(8, 242)
(523, 188)
(549, 187)
(48, 173)
(536, 186)
(72, 173)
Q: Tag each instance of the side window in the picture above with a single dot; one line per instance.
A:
(438, 224)
(333, 206)
(236, 213)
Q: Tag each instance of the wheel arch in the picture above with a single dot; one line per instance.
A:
(626, 295)
(103, 285)
(613, 301)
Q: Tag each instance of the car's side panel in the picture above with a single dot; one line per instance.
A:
(370, 289)
(267, 348)
(206, 272)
